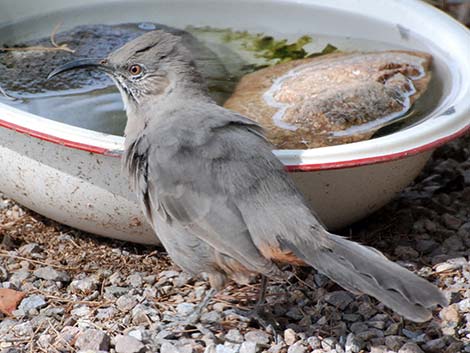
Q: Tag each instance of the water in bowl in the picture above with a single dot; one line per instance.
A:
(97, 106)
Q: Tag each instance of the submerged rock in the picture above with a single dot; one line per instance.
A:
(332, 99)
(24, 72)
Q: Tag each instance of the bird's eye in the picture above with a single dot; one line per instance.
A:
(135, 70)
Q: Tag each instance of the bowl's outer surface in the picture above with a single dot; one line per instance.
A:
(72, 175)
(81, 189)
(87, 190)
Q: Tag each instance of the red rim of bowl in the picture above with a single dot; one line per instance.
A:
(291, 168)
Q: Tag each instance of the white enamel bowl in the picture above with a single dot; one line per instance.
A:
(73, 175)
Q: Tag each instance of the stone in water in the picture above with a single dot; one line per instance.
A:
(332, 99)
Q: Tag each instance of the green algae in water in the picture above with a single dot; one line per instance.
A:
(265, 47)
(328, 49)
(269, 48)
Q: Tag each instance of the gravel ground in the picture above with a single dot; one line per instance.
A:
(87, 294)
(72, 292)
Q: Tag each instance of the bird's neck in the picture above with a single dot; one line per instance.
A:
(185, 85)
(134, 127)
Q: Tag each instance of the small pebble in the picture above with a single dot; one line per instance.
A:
(129, 344)
(23, 329)
(435, 345)
(410, 334)
(185, 309)
(394, 342)
(297, 347)
(314, 342)
(464, 305)
(455, 347)
(370, 334)
(290, 336)
(377, 324)
(328, 343)
(359, 327)
(28, 249)
(406, 252)
(426, 245)
(454, 243)
(50, 274)
(410, 347)
(366, 310)
(53, 311)
(126, 303)
(353, 344)
(3, 274)
(81, 311)
(258, 336)
(115, 291)
(234, 335)
(138, 334)
(44, 341)
(35, 301)
(379, 349)
(66, 338)
(211, 317)
(83, 286)
(247, 347)
(392, 329)
(451, 221)
(135, 280)
(340, 299)
(18, 277)
(450, 313)
(93, 339)
(167, 347)
(105, 313)
(140, 318)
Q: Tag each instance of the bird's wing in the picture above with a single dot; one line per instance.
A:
(189, 170)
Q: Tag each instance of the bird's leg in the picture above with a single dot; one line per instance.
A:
(262, 293)
(264, 318)
(260, 302)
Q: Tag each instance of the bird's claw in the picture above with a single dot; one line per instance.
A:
(263, 317)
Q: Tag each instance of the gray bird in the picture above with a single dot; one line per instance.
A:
(219, 200)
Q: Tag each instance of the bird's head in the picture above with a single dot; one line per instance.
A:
(149, 66)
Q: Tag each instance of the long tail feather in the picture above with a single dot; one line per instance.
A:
(362, 269)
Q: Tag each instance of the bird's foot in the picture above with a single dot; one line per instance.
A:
(263, 317)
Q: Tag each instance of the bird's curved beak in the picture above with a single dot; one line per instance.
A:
(99, 64)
